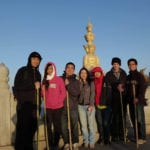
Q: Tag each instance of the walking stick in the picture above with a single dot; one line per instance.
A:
(135, 113)
(69, 125)
(123, 122)
(37, 115)
(45, 122)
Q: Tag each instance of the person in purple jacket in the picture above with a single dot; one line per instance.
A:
(53, 89)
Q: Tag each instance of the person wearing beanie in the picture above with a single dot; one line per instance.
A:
(116, 77)
(26, 84)
(102, 102)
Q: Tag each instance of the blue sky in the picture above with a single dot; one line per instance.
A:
(56, 29)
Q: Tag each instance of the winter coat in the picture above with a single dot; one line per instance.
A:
(56, 92)
(87, 94)
(138, 80)
(24, 84)
(112, 80)
(106, 96)
(73, 90)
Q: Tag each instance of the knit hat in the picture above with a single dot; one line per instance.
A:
(116, 60)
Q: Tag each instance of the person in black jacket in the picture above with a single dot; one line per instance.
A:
(136, 82)
(116, 77)
(26, 83)
(73, 89)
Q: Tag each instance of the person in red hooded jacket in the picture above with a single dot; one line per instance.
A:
(102, 102)
(54, 91)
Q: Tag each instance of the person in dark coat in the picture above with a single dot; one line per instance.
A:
(136, 82)
(26, 83)
(73, 90)
(116, 77)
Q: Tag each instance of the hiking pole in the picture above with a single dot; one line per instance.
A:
(45, 122)
(135, 113)
(123, 121)
(69, 125)
(37, 115)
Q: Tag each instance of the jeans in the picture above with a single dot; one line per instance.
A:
(140, 119)
(87, 124)
(74, 126)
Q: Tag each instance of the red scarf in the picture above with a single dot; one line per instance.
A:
(98, 89)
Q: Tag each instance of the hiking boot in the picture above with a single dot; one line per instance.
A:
(75, 146)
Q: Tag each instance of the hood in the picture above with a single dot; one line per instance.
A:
(97, 69)
(33, 54)
(49, 77)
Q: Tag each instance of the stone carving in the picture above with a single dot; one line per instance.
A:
(90, 60)
(6, 99)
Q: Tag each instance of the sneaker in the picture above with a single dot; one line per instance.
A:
(141, 141)
(75, 146)
(92, 146)
(66, 146)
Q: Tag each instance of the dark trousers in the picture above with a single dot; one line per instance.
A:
(103, 118)
(106, 119)
(118, 125)
(53, 126)
(26, 126)
(140, 119)
(74, 126)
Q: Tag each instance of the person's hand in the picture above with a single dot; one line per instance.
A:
(120, 87)
(66, 81)
(43, 88)
(37, 85)
(135, 101)
(90, 108)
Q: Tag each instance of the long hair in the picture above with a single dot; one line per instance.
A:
(88, 79)
(45, 81)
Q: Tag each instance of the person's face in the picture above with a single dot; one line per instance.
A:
(132, 66)
(35, 61)
(97, 74)
(116, 66)
(83, 75)
(69, 70)
(50, 70)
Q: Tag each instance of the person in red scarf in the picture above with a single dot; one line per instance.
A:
(102, 103)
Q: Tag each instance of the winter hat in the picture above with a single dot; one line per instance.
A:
(116, 60)
(97, 69)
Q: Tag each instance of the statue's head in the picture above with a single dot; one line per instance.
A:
(89, 27)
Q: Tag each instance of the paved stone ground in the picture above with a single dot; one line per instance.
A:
(113, 146)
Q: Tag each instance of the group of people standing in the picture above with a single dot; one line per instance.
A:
(93, 94)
